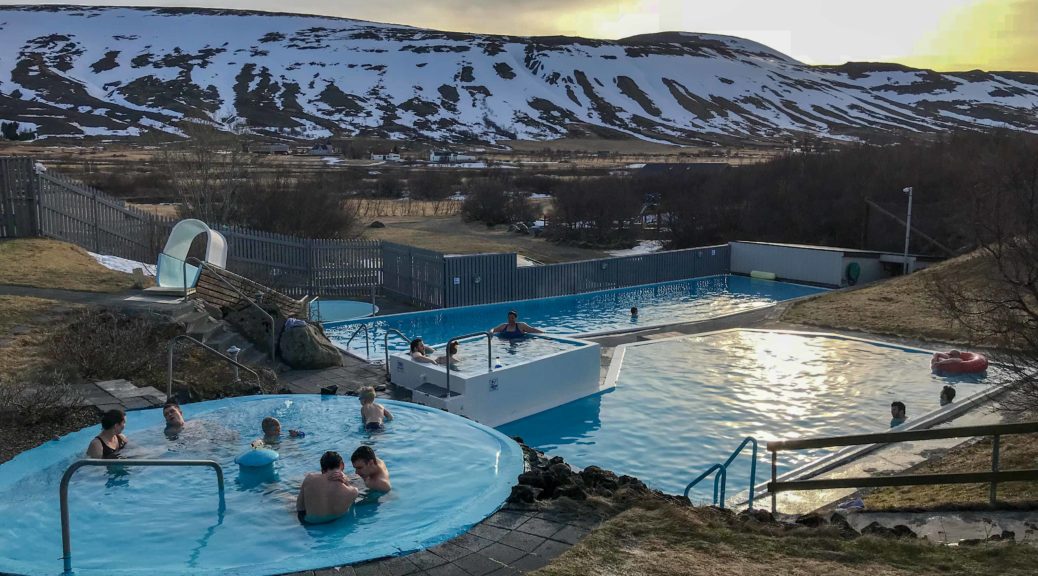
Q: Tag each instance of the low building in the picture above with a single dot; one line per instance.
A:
(448, 157)
(269, 148)
(323, 150)
(390, 157)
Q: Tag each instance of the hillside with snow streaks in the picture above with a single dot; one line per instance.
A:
(126, 72)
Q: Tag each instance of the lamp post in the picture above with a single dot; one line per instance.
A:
(908, 229)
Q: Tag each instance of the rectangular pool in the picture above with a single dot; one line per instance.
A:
(665, 303)
(683, 404)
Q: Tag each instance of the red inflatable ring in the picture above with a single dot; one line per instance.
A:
(956, 362)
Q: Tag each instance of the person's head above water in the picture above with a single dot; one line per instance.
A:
(363, 459)
(271, 427)
(513, 315)
(417, 345)
(366, 395)
(634, 310)
(331, 461)
(114, 421)
(173, 414)
(452, 347)
(897, 409)
(947, 395)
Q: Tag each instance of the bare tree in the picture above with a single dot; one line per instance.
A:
(208, 171)
(993, 295)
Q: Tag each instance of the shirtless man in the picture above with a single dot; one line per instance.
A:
(371, 469)
(326, 496)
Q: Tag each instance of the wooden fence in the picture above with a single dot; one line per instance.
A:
(43, 203)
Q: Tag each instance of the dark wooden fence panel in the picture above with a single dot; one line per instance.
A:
(480, 279)
(414, 274)
(18, 213)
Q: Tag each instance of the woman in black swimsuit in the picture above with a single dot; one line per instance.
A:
(109, 443)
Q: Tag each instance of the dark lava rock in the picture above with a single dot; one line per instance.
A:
(902, 531)
(376, 224)
(811, 520)
(839, 522)
(598, 479)
(877, 529)
(758, 514)
(561, 471)
(573, 491)
(533, 478)
(522, 493)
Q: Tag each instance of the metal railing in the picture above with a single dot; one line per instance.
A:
(367, 341)
(490, 365)
(211, 350)
(308, 302)
(66, 535)
(721, 480)
(385, 344)
(993, 477)
(216, 274)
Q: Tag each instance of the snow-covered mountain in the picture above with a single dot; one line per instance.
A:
(74, 71)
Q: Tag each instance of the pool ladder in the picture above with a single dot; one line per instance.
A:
(721, 478)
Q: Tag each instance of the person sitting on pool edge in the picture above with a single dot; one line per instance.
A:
(371, 412)
(371, 469)
(513, 328)
(419, 351)
(898, 413)
(451, 357)
(109, 443)
(326, 496)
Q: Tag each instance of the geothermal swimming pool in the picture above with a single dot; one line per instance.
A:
(665, 303)
(683, 404)
(447, 473)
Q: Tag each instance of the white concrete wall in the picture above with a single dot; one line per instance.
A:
(789, 263)
(510, 393)
(871, 270)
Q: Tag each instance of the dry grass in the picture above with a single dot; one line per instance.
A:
(1017, 452)
(28, 324)
(450, 235)
(902, 306)
(668, 540)
(44, 263)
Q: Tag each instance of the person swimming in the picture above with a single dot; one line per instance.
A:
(109, 444)
(513, 328)
(371, 412)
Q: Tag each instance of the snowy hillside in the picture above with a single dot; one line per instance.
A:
(70, 71)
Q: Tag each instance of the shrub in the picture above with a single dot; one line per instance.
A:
(104, 344)
(38, 396)
(313, 207)
(490, 201)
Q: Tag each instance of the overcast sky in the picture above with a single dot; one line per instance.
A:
(941, 34)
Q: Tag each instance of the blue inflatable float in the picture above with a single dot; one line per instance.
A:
(257, 458)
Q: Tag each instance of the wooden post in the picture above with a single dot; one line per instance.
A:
(994, 468)
(774, 479)
(97, 225)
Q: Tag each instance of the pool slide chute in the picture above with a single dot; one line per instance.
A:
(173, 271)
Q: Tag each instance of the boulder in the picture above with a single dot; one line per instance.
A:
(376, 224)
(811, 520)
(521, 493)
(307, 348)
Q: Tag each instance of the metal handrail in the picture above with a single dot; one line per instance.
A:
(723, 476)
(994, 477)
(385, 344)
(66, 535)
(459, 339)
(367, 342)
(201, 265)
(722, 473)
(307, 301)
(211, 350)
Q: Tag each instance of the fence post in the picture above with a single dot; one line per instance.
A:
(994, 467)
(34, 198)
(774, 478)
(97, 224)
(310, 266)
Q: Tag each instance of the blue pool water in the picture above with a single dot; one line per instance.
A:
(657, 304)
(680, 406)
(472, 352)
(447, 473)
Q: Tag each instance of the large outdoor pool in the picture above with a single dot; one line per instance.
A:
(447, 473)
(681, 405)
(657, 304)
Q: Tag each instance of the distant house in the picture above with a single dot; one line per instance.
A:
(683, 168)
(448, 156)
(323, 150)
(269, 148)
(389, 157)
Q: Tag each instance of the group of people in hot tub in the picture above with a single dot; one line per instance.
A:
(323, 497)
(511, 329)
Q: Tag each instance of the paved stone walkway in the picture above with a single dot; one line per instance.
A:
(119, 394)
(514, 540)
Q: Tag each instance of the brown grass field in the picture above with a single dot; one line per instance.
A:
(42, 263)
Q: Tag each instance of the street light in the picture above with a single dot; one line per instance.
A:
(908, 230)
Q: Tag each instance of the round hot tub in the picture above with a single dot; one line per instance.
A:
(447, 473)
